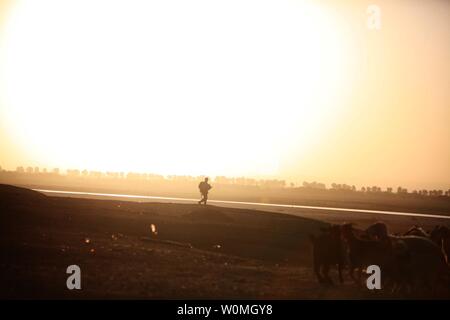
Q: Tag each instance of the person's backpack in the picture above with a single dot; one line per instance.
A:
(204, 187)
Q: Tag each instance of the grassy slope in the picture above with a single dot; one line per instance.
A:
(261, 255)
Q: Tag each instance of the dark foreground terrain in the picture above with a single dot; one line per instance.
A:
(158, 250)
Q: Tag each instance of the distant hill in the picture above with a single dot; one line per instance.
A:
(10, 193)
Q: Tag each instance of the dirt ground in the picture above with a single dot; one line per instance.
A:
(192, 252)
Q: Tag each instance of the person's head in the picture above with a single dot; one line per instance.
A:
(206, 179)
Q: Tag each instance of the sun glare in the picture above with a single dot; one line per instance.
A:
(182, 87)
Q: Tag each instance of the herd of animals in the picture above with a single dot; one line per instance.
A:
(416, 261)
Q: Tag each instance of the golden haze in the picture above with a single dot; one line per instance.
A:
(299, 90)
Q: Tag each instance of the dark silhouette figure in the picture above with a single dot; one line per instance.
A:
(204, 188)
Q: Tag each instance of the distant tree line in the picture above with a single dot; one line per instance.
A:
(222, 180)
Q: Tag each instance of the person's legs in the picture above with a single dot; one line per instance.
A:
(205, 198)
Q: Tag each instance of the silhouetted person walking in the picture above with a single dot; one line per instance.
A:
(204, 188)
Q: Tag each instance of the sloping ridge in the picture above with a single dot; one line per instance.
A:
(9, 193)
(208, 214)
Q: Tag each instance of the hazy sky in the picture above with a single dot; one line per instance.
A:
(300, 90)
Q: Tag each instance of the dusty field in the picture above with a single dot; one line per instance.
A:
(198, 252)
